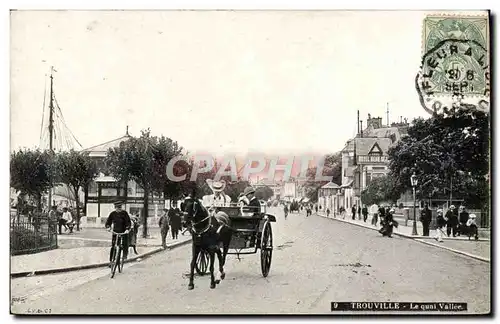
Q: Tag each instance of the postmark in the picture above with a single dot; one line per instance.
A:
(455, 69)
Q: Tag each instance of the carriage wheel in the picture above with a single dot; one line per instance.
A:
(202, 263)
(266, 249)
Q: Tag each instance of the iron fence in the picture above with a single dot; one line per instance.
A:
(32, 234)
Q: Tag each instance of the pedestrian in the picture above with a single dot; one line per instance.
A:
(175, 223)
(316, 209)
(463, 217)
(328, 212)
(65, 220)
(53, 219)
(452, 221)
(359, 212)
(163, 223)
(364, 211)
(353, 211)
(381, 214)
(472, 227)
(285, 210)
(426, 218)
(132, 235)
(440, 223)
(389, 223)
(374, 212)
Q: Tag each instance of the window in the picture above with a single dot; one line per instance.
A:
(92, 187)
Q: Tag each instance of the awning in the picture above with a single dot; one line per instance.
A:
(105, 179)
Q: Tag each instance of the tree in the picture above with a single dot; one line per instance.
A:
(31, 173)
(380, 190)
(264, 193)
(332, 168)
(447, 152)
(142, 160)
(76, 170)
(165, 149)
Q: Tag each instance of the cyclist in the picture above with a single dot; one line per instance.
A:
(120, 220)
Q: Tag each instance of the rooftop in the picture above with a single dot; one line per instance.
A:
(102, 149)
(365, 145)
(331, 185)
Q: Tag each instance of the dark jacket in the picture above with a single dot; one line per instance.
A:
(441, 222)
(164, 223)
(463, 217)
(255, 205)
(175, 219)
(452, 218)
(364, 211)
(426, 215)
(120, 220)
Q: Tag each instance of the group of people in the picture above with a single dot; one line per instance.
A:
(170, 219)
(456, 223)
(387, 222)
(307, 207)
(65, 219)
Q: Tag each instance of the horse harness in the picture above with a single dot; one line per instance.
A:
(209, 225)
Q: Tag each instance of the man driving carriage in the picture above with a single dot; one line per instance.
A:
(218, 198)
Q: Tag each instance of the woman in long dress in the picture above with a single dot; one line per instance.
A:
(388, 225)
(132, 236)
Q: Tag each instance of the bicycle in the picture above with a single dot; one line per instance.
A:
(118, 258)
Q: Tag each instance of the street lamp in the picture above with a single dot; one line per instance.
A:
(414, 182)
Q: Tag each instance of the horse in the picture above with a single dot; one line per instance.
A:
(208, 233)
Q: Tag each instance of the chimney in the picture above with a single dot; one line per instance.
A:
(358, 124)
(375, 122)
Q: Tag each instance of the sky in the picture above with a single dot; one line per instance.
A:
(216, 81)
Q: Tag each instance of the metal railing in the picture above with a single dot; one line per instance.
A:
(32, 234)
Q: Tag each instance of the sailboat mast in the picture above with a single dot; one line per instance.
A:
(51, 113)
(51, 128)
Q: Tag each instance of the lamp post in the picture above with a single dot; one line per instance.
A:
(414, 183)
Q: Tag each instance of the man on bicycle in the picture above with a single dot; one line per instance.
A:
(120, 220)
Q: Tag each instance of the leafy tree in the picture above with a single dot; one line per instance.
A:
(76, 170)
(166, 149)
(264, 193)
(448, 150)
(143, 160)
(380, 190)
(31, 172)
(332, 168)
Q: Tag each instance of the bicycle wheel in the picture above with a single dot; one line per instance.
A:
(122, 261)
(116, 262)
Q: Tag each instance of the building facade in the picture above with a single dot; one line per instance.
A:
(102, 192)
(329, 197)
(365, 158)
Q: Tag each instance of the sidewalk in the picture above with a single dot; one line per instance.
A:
(98, 237)
(85, 249)
(476, 249)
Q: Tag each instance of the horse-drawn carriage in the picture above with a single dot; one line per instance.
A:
(251, 232)
(294, 207)
(220, 227)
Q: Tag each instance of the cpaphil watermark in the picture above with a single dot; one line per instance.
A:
(265, 168)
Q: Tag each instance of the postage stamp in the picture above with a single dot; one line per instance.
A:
(439, 28)
(455, 63)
